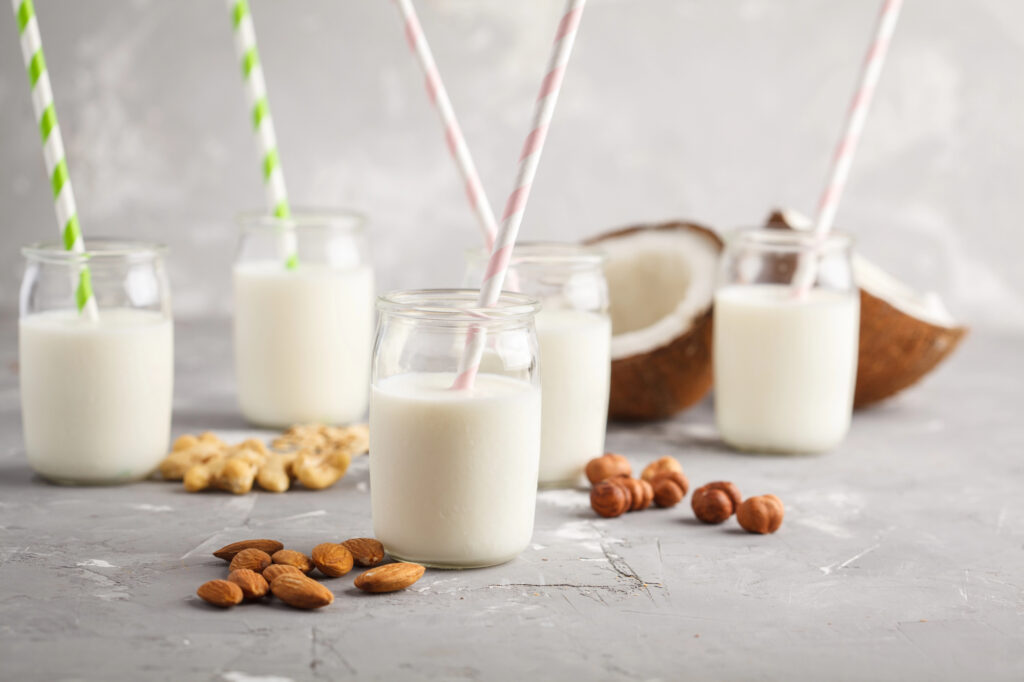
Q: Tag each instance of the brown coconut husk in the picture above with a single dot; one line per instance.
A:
(897, 349)
(665, 380)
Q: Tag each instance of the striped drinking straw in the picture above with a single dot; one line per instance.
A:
(452, 132)
(262, 122)
(53, 149)
(515, 207)
(803, 277)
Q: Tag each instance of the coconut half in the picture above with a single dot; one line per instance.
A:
(903, 334)
(660, 282)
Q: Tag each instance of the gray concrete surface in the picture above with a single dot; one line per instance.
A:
(901, 558)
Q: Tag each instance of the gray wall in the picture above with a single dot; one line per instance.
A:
(714, 110)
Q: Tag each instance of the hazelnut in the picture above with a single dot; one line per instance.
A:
(607, 466)
(730, 489)
(716, 501)
(609, 499)
(623, 482)
(660, 466)
(669, 488)
(640, 490)
(761, 514)
(711, 505)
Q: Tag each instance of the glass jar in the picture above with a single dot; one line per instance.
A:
(574, 332)
(96, 392)
(303, 333)
(453, 474)
(785, 344)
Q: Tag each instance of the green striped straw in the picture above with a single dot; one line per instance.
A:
(53, 148)
(262, 122)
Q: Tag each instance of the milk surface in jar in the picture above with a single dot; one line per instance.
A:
(303, 333)
(785, 357)
(96, 392)
(574, 333)
(453, 472)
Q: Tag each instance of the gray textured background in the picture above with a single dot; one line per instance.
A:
(709, 110)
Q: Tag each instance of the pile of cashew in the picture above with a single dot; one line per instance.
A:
(315, 455)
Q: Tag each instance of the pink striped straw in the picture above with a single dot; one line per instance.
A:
(515, 207)
(452, 132)
(803, 276)
(856, 117)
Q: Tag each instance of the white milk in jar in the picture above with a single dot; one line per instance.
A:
(96, 396)
(454, 473)
(784, 368)
(303, 334)
(575, 352)
(302, 342)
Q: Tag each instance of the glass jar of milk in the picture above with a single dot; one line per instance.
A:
(453, 472)
(785, 353)
(303, 333)
(96, 391)
(574, 332)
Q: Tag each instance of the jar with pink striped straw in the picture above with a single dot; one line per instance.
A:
(453, 475)
(785, 365)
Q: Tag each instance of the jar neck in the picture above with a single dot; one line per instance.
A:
(789, 241)
(456, 309)
(306, 222)
(100, 252)
(546, 258)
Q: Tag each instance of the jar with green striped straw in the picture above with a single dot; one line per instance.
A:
(263, 123)
(53, 149)
(302, 331)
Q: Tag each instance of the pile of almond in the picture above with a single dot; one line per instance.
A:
(663, 482)
(315, 455)
(259, 567)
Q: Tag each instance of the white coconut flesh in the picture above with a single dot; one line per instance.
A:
(927, 307)
(659, 283)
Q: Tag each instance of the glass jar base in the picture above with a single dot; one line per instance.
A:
(777, 450)
(567, 484)
(71, 481)
(450, 565)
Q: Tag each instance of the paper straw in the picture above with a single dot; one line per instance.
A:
(515, 207)
(53, 149)
(855, 119)
(452, 132)
(262, 122)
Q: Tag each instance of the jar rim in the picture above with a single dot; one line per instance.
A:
(542, 253)
(788, 240)
(96, 249)
(456, 305)
(341, 219)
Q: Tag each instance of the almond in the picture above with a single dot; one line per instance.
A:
(220, 593)
(300, 591)
(252, 583)
(273, 571)
(252, 558)
(390, 577)
(228, 552)
(332, 559)
(289, 557)
(365, 551)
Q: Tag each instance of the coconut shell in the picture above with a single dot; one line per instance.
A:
(896, 349)
(668, 379)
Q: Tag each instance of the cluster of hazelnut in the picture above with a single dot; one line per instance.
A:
(259, 567)
(315, 455)
(663, 482)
